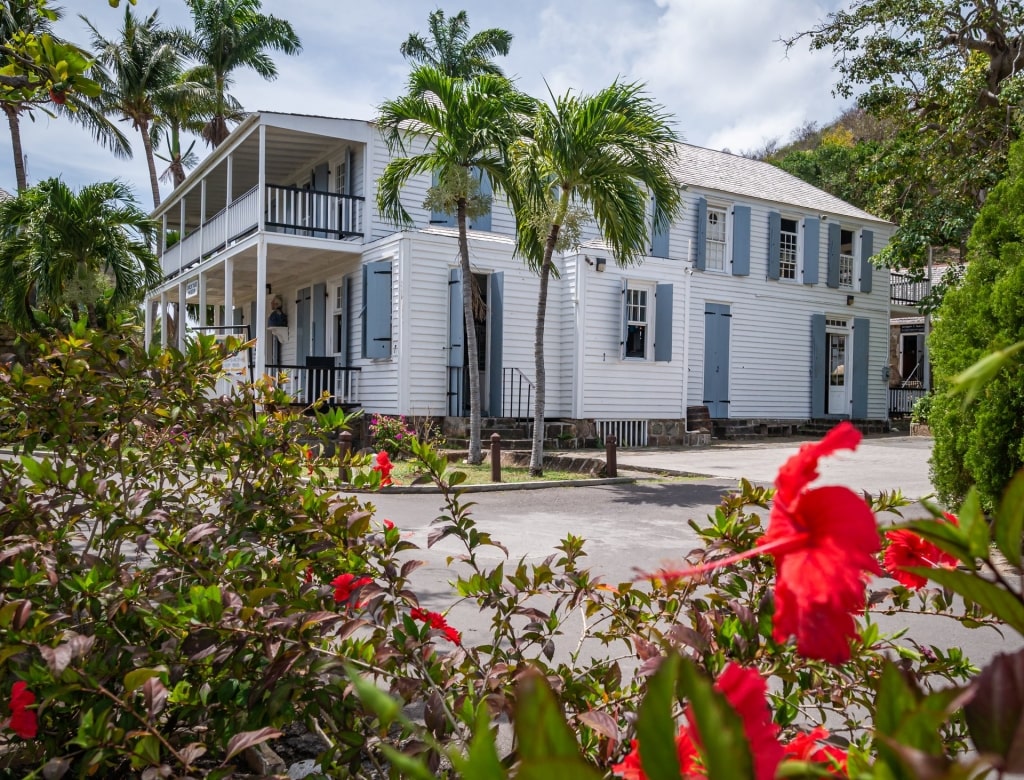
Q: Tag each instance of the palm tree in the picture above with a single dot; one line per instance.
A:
(185, 106)
(230, 35)
(600, 154)
(452, 51)
(465, 123)
(60, 249)
(33, 18)
(133, 70)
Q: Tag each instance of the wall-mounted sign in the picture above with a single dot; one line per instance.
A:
(192, 288)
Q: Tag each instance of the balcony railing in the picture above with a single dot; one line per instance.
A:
(288, 210)
(905, 290)
(902, 399)
(306, 384)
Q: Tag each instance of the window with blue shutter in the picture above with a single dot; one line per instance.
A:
(700, 261)
(861, 339)
(867, 240)
(834, 243)
(659, 234)
(376, 313)
(774, 238)
(741, 240)
(812, 248)
(483, 222)
(441, 217)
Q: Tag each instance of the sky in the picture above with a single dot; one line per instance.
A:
(716, 65)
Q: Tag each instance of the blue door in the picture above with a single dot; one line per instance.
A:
(716, 359)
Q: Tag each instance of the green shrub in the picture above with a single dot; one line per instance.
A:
(921, 410)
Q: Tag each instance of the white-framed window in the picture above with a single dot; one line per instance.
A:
(789, 236)
(716, 245)
(637, 321)
(846, 264)
(341, 176)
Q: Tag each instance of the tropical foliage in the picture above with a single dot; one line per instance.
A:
(75, 254)
(451, 50)
(605, 155)
(458, 130)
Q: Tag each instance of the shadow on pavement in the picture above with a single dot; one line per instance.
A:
(680, 494)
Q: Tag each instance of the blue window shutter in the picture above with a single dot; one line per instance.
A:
(319, 319)
(861, 337)
(625, 322)
(456, 331)
(819, 366)
(812, 246)
(659, 235)
(834, 239)
(663, 322)
(701, 257)
(867, 249)
(377, 310)
(741, 241)
(440, 217)
(483, 222)
(346, 320)
(774, 237)
(495, 305)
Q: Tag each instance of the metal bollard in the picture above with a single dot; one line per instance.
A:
(610, 457)
(344, 453)
(495, 457)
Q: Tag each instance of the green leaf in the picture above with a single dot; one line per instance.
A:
(946, 536)
(725, 747)
(482, 761)
(655, 725)
(995, 714)
(146, 752)
(972, 380)
(373, 698)
(998, 602)
(134, 679)
(541, 730)
(407, 766)
(1009, 522)
(974, 525)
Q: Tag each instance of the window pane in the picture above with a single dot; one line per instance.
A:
(636, 341)
(715, 249)
(787, 249)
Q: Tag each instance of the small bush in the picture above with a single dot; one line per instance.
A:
(391, 434)
(922, 408)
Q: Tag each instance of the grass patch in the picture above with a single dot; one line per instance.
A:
(407, 470)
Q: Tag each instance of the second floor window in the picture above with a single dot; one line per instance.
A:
(846, 259)
(716, 239)
(787, 248)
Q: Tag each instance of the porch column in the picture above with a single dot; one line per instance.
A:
(182, 308)
(147, 339)
(202, 222)
(229, 292)
(259, 328)
(261, 186)
(162, 243)
(202, 300)
(226, 221)
(163, 319)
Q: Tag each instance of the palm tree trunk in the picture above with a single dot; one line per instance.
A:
(475, 456)
(19, 157)
(177, 168)
(537, 450)
(154, 182)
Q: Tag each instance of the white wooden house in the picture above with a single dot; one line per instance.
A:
(759, 303)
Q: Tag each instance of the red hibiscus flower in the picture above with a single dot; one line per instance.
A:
(437, 621)
(824, 542)
(23, 720)
(309, 574)
(746, 692)
(388, 525)
(346, 584)
(811, 746)
(906, 549)
(309, 461)
(384, 466)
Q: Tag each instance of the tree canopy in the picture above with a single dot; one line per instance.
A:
(451, 50)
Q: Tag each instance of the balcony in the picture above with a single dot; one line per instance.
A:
(905, 290)
(288, 210)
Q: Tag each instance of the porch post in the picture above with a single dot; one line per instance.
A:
(182, 308)
(261, 186)
(227, 220)
(229, 292)
(202, 299)
(162, 243)
(147, 339)
(163, 319)
(202, 222)
(259, 327)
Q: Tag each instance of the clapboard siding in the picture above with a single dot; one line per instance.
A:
(613, 387)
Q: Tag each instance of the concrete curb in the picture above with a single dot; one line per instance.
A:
(490, 487)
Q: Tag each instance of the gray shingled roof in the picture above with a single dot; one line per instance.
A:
(707, 169)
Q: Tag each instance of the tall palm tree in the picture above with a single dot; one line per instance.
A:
(452, 51)
(31, 17)
(133, 69)
(601, 154)
(230, 35)
(465, 123)
(185, 106)
(54, 243)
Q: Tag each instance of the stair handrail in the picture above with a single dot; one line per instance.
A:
(512, 385)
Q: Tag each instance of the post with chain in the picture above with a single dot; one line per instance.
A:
(495, 457)
(610, 456)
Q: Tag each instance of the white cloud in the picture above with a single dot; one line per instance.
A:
(716, 65)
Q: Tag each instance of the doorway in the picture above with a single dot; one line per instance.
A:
(837, 343)
(717, 318)
(487, 323)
